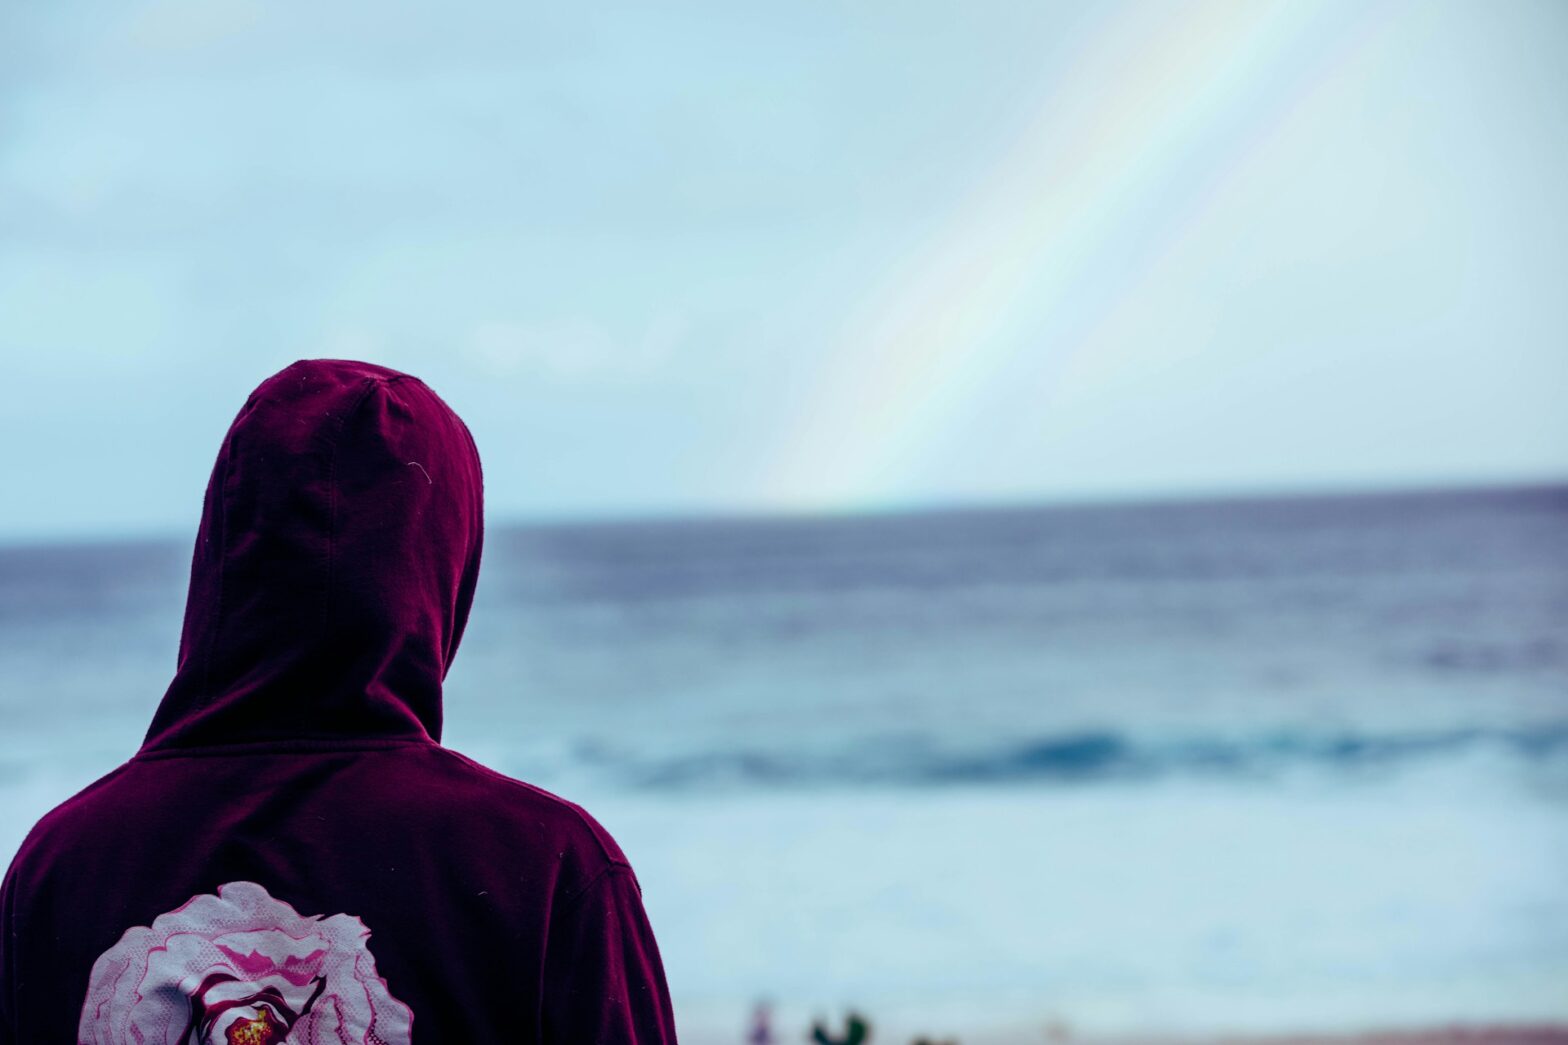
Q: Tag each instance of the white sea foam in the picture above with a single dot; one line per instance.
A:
(1115, 909)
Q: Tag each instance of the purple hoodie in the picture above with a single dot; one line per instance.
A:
(292, 855)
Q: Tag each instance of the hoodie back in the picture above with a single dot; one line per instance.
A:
(292, 855)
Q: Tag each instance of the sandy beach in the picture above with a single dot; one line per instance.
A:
(1047, 1034)
(1543, 1034)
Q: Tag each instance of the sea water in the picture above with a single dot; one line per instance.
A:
(1249, 765)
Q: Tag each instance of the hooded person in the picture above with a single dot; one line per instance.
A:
(292, 855)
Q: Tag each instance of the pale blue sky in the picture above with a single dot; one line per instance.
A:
(704, 256)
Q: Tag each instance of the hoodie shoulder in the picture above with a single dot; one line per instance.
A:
(56, 831)
(564, 819)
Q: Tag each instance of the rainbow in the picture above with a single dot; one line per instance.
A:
(1003, 280)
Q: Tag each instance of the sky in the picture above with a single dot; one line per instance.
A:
(716, 257)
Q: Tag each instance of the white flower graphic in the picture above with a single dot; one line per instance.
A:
(241, 968)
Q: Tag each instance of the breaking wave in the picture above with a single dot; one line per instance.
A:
(1082, 758)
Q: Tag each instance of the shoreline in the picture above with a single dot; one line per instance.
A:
(1048, 1034)
(1445, 1034)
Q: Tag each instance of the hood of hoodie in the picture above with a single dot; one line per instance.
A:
(334, 568)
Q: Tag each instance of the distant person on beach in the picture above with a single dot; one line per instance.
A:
(761, 1025)
(292, 854)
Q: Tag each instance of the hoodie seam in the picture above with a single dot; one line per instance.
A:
(211, 642)
(332, 499)
(293, 745)
(575, 904)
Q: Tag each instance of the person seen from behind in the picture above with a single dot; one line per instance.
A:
(292, 855)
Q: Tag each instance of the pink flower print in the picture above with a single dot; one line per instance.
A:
(240, 968)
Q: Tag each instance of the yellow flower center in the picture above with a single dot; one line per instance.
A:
(260, 1030)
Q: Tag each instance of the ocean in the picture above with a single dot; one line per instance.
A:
(1248, 765)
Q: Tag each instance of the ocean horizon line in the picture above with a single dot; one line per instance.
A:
(1129, 500)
